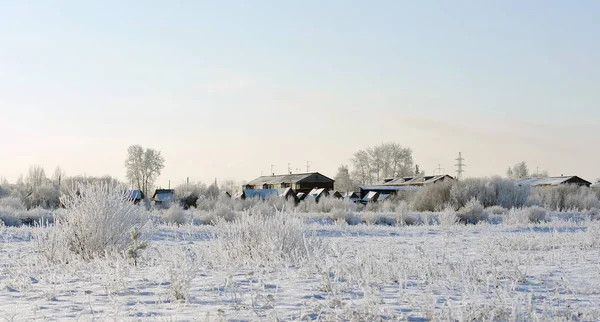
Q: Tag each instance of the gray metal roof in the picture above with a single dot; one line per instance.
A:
(164, 195)
(371, 196)
(416, 180)
(390, 188)
(133, 194)
(549, 181)
(289, 178)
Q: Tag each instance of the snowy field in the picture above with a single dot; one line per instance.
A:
(302, 267)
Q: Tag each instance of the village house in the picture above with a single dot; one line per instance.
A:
(393, 186)
(300, 182)
(553, 181)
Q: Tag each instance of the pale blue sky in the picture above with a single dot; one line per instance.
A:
(225, 89)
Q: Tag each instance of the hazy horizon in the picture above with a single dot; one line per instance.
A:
(225, 90)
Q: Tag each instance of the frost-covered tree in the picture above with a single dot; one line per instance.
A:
(343, 180)
(38, 190)
(418, 172)
(143, 167)
(230, 186)
(58, 176)
(212, 191)
(517, 171)
(540, 174)
(35, 177)
(387, 160)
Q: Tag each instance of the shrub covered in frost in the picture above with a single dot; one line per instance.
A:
(254, 239)
(97, 219)
(536, 214)
(472, 213)
(175, 215)
(524, 216)
(433, 197)
(564, 197)
(448, 217)
(378, 218)
(341, 215)
(496, 210)
(14, 213)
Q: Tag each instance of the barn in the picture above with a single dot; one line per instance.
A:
(300, 182)
(553, 181)
(393, 186)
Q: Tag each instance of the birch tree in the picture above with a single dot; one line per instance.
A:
(143, 167)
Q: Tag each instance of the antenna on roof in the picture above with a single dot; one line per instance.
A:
(459, 166)
(272, 173)
(289, 168)
(307, 166)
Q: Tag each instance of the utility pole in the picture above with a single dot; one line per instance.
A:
(439, 169)
(459, 166)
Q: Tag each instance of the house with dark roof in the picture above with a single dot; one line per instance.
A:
(553, 181)
(299, 182)
(416, 181)
(352, 196)
(371, 196)
(163, 196)
(300, 196)
(134, 195)
(286, 193)
(335, 194)
(317, 194)
(393, 186)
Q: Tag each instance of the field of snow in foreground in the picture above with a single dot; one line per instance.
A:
(297, 268)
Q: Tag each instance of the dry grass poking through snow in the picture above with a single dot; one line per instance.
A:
(269, 265)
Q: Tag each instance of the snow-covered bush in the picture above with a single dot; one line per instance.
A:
(11, 209)
(342, 215)
(12, 202)
(472, 213)
(524, 216)
(433, 197)
(564, 197)
(478, 188)
(509, 194)
(13, 213)
(403, 216)
(97, 220)
(253, 239)
(175, 215)
(180, 267)
(448, 217)
(263, 209)
(45, 196)
(378, 218)
(536, 214)
(496, 210)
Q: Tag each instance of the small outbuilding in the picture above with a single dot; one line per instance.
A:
(134, 195)
(163, 196)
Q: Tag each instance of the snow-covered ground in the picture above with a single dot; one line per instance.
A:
(546, 271)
